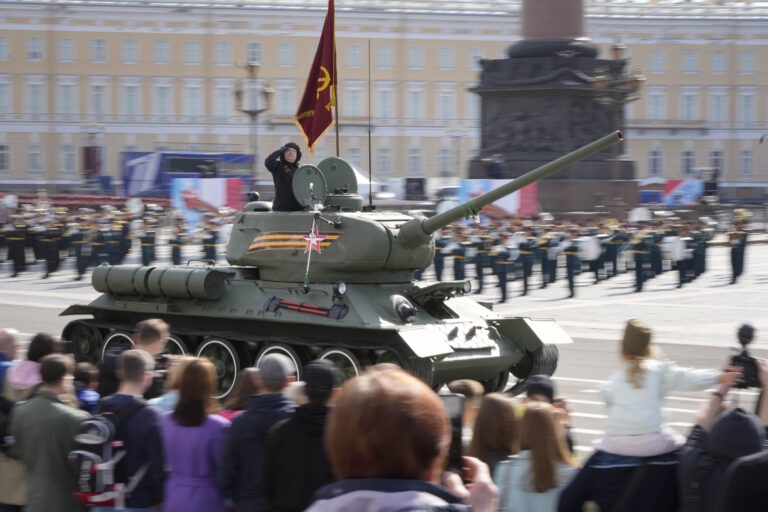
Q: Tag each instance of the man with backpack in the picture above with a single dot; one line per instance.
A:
(151, 337)
(139, 427)
(43, 429)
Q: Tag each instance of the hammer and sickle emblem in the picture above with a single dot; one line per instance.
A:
(325, 80)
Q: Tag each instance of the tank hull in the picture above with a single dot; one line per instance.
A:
(448, 336)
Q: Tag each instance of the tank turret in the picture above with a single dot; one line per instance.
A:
(356, 245)
(335, 282)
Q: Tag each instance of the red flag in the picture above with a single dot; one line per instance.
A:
(314, 116)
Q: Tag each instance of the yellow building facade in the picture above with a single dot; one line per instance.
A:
(140, 76)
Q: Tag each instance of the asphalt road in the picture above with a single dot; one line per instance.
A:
(694, 326)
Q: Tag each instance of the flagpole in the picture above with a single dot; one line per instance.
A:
(370, 107)
(335, 81)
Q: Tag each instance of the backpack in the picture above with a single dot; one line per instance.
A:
(100, 482)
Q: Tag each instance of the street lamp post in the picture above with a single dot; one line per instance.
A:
(252, 68)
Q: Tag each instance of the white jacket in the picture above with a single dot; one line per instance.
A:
(513, 478)
(638, 411)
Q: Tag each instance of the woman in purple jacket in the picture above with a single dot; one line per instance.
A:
(193, 435)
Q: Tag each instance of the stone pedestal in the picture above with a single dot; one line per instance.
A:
(551, 96)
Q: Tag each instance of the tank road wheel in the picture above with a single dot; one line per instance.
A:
(86, 341)
(496, 384)
(344, 360)
(225, 359)
(541, 362)
(286, 350)
(175, 346)
(422, 369)
(116, 339)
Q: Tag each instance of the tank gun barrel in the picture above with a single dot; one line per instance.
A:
(473, 206)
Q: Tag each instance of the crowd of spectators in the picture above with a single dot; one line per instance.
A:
(377, 442)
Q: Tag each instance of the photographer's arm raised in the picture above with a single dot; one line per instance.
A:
(762, 373)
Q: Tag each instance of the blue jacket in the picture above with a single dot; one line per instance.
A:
(4, 365)
(142, 434)
(239, 472)
(605, 475)
(386, 494)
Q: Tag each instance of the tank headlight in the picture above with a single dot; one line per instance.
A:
(467, 287)
(339, 289)
(403, 308)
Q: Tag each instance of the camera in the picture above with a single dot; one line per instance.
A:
(745, 362)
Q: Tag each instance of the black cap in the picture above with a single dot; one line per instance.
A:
(540, 385)
(321, 377)
(294, 146)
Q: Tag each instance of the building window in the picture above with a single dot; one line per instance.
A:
(5, 158)
(98, 50)
(415, 57)
(98, 100)
(747, 62)
(66, 99)
(716, 159)
(690, 61)
(66, 49)
(355, 157)
(385, 103)
(385, 58)
(657, 105)
(654, 162)
(747, 105)
(35, 98)
(163, 100)
(354, 102)
(475, 56)
(192, 53)
(285, 54)
(657, 61)
(223, 106)
(717, 108)
(354, 59)
(286, 101)
(414, 161)
(130, 100)
(4, 49)
(67, 158)
(34, 158)
(415, 104)
(193, 101)
(384, 161)
(253, 51)
(446, 105)
(445, 162)
(689, 162)
(718, 62)
(689, 106)
(34, 48)
(223, 53)
(162, 51)
(130, 51)
(5, 98)
(445, 57)
(745, 163)
(473, 106)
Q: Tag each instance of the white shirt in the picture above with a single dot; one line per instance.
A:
(638, 411)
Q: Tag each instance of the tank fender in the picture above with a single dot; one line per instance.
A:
(531, 334)
(425, 341)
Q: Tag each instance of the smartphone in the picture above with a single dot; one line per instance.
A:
(454, 404)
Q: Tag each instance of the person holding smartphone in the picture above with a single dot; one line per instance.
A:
(388, 438)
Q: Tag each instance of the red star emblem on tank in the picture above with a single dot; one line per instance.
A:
(313, 240)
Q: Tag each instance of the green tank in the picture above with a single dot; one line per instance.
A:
(334, 281)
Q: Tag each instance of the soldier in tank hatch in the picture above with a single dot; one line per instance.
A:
(283, 164)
